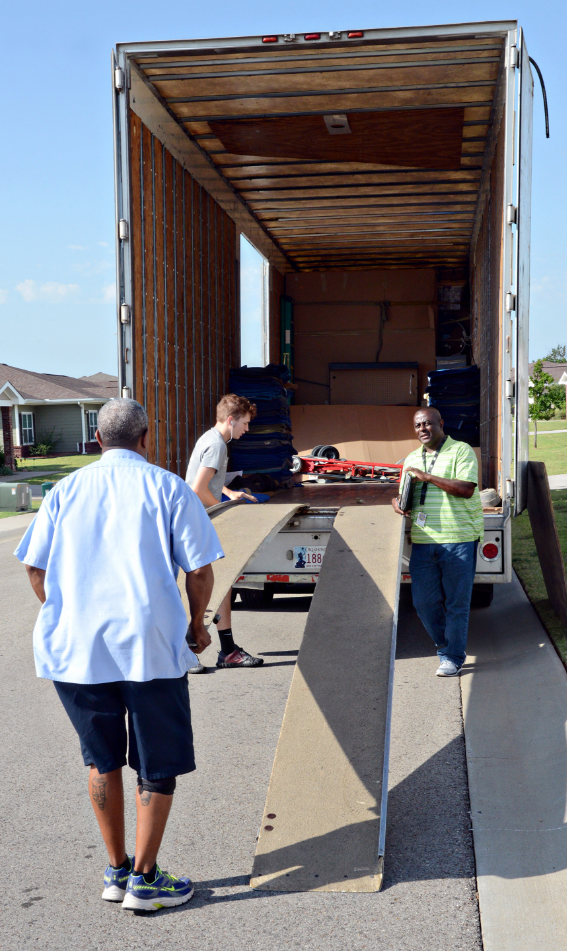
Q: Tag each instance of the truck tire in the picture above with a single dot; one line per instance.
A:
(329, 452)
(296, 464)
(315, 450)
(255, 600)
(482, 595)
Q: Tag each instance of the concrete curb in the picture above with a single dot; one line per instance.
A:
(514, 690)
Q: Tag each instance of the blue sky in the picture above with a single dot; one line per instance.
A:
(57, 222)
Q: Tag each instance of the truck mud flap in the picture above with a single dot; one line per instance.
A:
(243, 531)
(324, 823)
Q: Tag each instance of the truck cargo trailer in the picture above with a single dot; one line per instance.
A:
(384, 175)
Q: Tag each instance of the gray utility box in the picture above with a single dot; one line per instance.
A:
(15, 497)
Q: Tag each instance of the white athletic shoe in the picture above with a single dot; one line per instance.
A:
(447, 669)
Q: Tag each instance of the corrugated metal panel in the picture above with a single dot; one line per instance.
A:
(185, 322)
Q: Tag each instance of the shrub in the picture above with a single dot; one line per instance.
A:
(45, 443)
(2, 459)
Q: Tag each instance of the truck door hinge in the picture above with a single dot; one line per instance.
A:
(512, 215)
(124, 313)
(118, 78)
(126, 393)
(510, 487)
(510, 302)
(509, 388)
(514, 56)
(123, 230)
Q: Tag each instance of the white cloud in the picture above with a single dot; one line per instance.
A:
(109, 293)
(76, 247)
(3, 297)
(104, 244)
(50, 291)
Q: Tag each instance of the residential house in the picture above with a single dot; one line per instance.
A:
(557, 370)
(36, 403)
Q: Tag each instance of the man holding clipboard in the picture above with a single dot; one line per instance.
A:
(447, 523)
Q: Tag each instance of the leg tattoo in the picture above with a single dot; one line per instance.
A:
(99, 792)
(145, 796)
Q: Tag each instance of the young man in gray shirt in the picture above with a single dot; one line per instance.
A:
(206, 474)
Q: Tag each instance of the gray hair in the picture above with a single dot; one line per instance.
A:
(122, 422)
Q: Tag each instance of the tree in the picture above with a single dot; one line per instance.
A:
(541, 406)
(557, 354)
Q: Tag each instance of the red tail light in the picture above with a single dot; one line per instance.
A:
(312, 36)
(490, 551)
(270, 39)
(355, 34)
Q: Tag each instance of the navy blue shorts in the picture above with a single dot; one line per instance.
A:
(159, 739)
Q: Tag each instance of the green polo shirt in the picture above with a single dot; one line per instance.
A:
(448, 519)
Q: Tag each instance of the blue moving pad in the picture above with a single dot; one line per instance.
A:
(272, 449)
(456, 394)
(259, 496)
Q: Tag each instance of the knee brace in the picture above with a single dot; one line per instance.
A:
(166, 787)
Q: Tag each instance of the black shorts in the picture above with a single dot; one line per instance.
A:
(159, 739)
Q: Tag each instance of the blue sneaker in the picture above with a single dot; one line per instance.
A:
(165, 891)
(115, 882)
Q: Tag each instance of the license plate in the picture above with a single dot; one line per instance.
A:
(309, 557)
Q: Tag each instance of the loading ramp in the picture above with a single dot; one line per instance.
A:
(324, 823)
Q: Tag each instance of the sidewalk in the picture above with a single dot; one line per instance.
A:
(514, 690)
(30, 474)
(16, 523)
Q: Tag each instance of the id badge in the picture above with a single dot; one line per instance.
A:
(421, 519)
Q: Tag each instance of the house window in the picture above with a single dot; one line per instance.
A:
(92, 423)
(26, 423)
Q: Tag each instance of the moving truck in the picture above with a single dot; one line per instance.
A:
(384, 175)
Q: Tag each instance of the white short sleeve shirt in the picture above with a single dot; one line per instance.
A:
(111, 537)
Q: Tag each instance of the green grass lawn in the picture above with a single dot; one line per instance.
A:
(35, 505)
(526, 564)
(544, 424)
(551, 449)
(60, 467)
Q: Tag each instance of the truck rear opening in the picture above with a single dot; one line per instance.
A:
(385, 177)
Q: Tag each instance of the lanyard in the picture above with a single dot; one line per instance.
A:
(424, 485)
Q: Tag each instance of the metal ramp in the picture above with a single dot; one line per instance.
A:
(324, 823)
(243, 531)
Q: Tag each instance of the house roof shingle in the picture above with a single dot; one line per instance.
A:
(54, 387)
(556, 370)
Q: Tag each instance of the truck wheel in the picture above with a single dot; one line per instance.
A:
(255, 600)
(296, 464)
(482, 595)
(329, 452)
(315, 450)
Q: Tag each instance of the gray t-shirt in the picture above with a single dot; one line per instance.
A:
(210, 452)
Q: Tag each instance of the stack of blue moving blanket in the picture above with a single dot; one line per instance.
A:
(267, 447)
(456, 394)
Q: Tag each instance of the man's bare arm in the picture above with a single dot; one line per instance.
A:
(199, 587)
(457, 487)
(201, 486)
(37, 581)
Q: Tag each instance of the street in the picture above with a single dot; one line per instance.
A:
(54, 859)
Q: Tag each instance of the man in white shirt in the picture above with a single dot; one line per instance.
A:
(206, 474)
(102, 556)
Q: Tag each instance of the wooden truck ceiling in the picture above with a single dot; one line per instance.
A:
(349, 157)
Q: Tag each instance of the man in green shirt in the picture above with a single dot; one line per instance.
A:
(447, 523)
